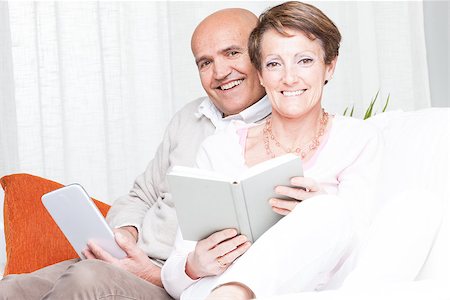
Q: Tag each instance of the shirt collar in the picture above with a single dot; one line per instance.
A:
(251, 114)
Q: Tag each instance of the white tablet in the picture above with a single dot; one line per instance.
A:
(80, 220)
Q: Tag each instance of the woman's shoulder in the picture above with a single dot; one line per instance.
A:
(354, 133)
(349, 137)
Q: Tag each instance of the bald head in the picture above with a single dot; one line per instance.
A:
(236, 19)
(219, 44)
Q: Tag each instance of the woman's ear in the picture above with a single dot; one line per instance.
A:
(330, 70)
(260, 79)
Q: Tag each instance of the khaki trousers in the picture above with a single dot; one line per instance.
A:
(75, 279)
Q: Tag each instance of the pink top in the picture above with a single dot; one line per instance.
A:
(243, 132)
(346, 164)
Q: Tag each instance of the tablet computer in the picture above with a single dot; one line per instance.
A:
(80, 220)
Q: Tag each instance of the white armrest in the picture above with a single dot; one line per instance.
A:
(414, 290)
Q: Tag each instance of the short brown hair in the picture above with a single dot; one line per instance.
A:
(299, 16)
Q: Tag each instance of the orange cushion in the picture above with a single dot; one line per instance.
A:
(33, 240)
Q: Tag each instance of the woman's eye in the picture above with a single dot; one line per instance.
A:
(305, 61)
(271, 65)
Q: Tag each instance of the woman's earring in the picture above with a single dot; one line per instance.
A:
(261, 83)
(326, 81)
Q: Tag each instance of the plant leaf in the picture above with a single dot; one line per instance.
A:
(369, 110)
(387, 102)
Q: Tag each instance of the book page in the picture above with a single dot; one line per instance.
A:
(269, 164)
(258, 189)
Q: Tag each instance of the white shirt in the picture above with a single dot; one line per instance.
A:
(252, 114)
(346, 164)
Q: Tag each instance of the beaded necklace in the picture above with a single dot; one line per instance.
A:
(300, 151)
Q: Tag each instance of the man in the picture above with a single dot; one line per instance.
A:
(145, 219)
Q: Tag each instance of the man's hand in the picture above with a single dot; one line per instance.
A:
(213, 255)
(136, 262)
(303, 188)
(128, 230)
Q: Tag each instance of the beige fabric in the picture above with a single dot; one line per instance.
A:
(157, 224)
(74, 279)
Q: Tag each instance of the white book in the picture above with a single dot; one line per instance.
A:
(206, 202)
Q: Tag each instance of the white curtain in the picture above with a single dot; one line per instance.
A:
(87, 88)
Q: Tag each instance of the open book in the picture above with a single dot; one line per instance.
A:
(206, 202)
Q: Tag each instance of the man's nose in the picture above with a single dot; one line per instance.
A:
(221, 69)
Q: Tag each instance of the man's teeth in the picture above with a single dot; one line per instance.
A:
(231, 84)
(293, 93)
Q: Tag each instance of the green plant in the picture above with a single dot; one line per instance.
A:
(369, 110)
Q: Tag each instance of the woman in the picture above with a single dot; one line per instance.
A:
(295, 49)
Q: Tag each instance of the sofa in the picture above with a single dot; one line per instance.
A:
(407, 253)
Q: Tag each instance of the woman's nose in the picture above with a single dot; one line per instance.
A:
(290, 76)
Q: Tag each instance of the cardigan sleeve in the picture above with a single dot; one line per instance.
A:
(173, 274)
(149, 206)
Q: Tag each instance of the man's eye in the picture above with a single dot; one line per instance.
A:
(203, 64)
(233, 53)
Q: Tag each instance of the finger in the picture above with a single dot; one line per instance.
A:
(295, 193)
(99, 253)
(230, 257)
(88, 254)
(229, 245)
(283, 204)
(280, 211)
(218, 237)
(306, 183)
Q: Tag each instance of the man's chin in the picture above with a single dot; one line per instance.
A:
(230, 105)
(233, 110)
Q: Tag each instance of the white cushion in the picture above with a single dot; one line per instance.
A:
(399, 242)
(417, 157)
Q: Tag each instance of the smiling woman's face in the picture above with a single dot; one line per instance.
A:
(293, 72)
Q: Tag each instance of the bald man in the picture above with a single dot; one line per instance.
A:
(144, 220)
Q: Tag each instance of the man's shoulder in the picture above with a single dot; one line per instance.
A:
(191, 107)
(188, 115)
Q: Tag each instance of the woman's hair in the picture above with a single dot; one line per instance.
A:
(298, 16)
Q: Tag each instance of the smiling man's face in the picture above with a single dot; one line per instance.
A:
(219, 45)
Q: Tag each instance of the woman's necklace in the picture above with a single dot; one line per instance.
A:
(300, 151)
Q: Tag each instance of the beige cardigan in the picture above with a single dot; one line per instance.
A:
(149, 206)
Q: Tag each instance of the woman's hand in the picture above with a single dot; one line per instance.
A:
(304, 188)
(213, 255)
